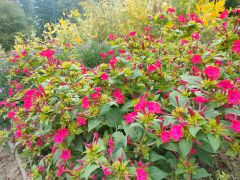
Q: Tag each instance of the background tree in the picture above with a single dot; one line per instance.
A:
(12, 20)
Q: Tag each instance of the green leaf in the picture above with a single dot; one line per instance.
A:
(182, 100)
(185, 146)
(93, 123)
(136, 73)
(169, 120)
(232, 111)
(74, 68)
(119, 140)
(114, 117)
(88, 170)
(155, 157)
(156, 173)
(215, 141)
(194, 130)
(200, 173)
(171, 146)
(135, 132)
(211, 113)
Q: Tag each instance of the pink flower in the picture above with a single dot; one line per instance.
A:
(25, 70)
(47, 53)
(236, 46)
(152, 68)
(111, 37)
(200, 99)
(184, 41)
(40, 168)
(106, 171)
(171, 10)
(212, 72)
(111, 52)
(141, 174)
(112, 62)
(104, 77)
(176, 132)
(11, 114)
(60, 135)
(95, 95)
(147, 29)
(225, 84)
(103, 55)
(66, 154)
(132, 34)
(81, 121)
(165, 136)
(224, 25)
(18, 133)
(235, 126)
(85, 102)
(153, 107)
(181, 18)
(140, 106)
(110, 146)
(24, 53)
(195, 36)
(119, 96)
(196, 59)
(129, 118)
(233, 97)
(224, 14)
(60, 170)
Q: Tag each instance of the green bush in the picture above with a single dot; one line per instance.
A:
(90, 53)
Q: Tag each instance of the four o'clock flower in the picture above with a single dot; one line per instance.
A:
(196, 59)
(195, 36)
(141, 174)
(81, 121)
(212, 72)
(104, 77)
(233, 97)
(66, 154)
(235, 126)
(85, 102)
(165, 136)
(236, 46)
(60, 135)
(129, 118)
(225, 85)
(118, 96)
(176, 132)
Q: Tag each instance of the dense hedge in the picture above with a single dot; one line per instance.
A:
(166, 100)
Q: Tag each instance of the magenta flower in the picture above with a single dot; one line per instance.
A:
(224, 14)
(233, 97)
(225, 85)
(212, 72)
(81, 121)
(196, 59)
(60, 170)
(141, 174)
(119, 96)
(152, 68)
(181, 18)
(47, 53)
(103, 55)
(85, 102)
(106, 171)
(60, 135)
(153, 107)
(104, 77)
(129, 117)
(66, 154)
(140, 106)
(200, 99)
(171, 10)
(195, 36)
(112, 62)
(236, 47)
(184, 41)
(176, 132)
(235, 126)
(165, 136)
(11, 114)
(132, 34)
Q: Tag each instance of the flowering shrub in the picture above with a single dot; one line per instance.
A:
(163, 104)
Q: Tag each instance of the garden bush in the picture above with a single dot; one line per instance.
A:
(162, 105)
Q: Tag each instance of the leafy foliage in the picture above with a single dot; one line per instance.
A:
(164, 100)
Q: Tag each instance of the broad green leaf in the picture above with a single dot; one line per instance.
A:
(88, 170)
(155, 157)
(192, 80)
(185, 146)
(194, 130)
(156, 173)
(200, 173)
(114, 117)
(232, 111)
(119, 140)
(93, 123)
(169, 120)
(182, 100)
(136, 132)
(210, 113)
(171, 146)
(215, 141)
(136, 73)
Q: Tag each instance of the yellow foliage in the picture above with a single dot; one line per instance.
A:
(209, 11)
